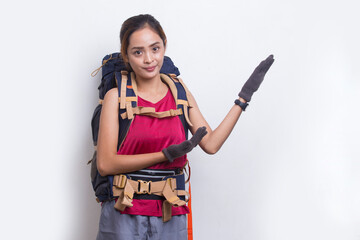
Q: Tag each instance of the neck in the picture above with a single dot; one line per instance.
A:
(151, 89)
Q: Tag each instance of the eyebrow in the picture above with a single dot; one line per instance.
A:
(155, 43)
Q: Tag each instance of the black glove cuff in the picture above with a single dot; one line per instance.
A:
(241, 104)
(167, 155)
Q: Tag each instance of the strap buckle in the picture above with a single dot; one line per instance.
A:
(144, 187)
(120, 181)
(169, 181)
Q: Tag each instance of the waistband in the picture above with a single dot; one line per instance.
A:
(155, 175)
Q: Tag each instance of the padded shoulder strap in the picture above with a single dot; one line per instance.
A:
(127, 89)
(171, 84)
(127, 99)
(180, 93)
(189, 100)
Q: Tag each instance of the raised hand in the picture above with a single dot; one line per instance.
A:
(256, 78)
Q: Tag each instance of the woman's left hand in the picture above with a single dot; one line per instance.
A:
(256, 78)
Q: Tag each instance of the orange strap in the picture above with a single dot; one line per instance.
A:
(189, 217)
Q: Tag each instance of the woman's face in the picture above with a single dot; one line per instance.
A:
(146, 53)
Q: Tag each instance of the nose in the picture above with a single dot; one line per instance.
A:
(148, 58)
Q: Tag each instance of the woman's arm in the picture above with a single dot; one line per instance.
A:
(213, 141)
(108, 161)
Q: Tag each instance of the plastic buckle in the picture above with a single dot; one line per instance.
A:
(170, 182)
(143, 187)
(120, 181)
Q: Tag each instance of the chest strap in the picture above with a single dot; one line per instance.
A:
(125, 189)
(150, 111)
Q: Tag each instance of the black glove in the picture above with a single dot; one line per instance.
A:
(256, 78)
(178, 150)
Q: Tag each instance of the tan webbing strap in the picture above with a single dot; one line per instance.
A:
(129, 110)
(128, 196)
(173, 89)
(186, 114)
(131, 99)
(123, 189)
(189, 102)
(183, 193)
(187, 92)
(171, 85)
(125, 198)
(169, 113)
(171, 200)
(170, 195)
(124, 79)
(133, 84)
(166, 211)
(139, 111)
(149, 111)
(118, 204)
(183, 102)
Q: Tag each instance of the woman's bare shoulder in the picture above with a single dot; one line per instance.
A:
(111, 95)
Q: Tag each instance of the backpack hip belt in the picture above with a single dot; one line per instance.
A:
(170, 188)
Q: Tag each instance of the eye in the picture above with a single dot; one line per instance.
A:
(137, 52)
(155, 49)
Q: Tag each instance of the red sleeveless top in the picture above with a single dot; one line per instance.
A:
(149, 134)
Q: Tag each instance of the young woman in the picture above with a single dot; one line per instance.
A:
(149, 144)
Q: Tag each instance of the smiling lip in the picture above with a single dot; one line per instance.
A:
(150, 69)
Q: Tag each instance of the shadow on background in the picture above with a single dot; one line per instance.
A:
(87, 211)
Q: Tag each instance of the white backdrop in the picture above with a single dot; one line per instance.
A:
(290, 169)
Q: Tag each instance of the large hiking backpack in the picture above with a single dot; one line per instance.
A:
(115, 75)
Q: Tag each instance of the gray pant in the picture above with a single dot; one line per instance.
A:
(116, 226)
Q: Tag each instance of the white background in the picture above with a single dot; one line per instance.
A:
(290, 169)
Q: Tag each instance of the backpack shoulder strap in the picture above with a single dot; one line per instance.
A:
(180, 93)
(127, 92)
(127, 95)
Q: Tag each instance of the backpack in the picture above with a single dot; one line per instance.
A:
(115, 75)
